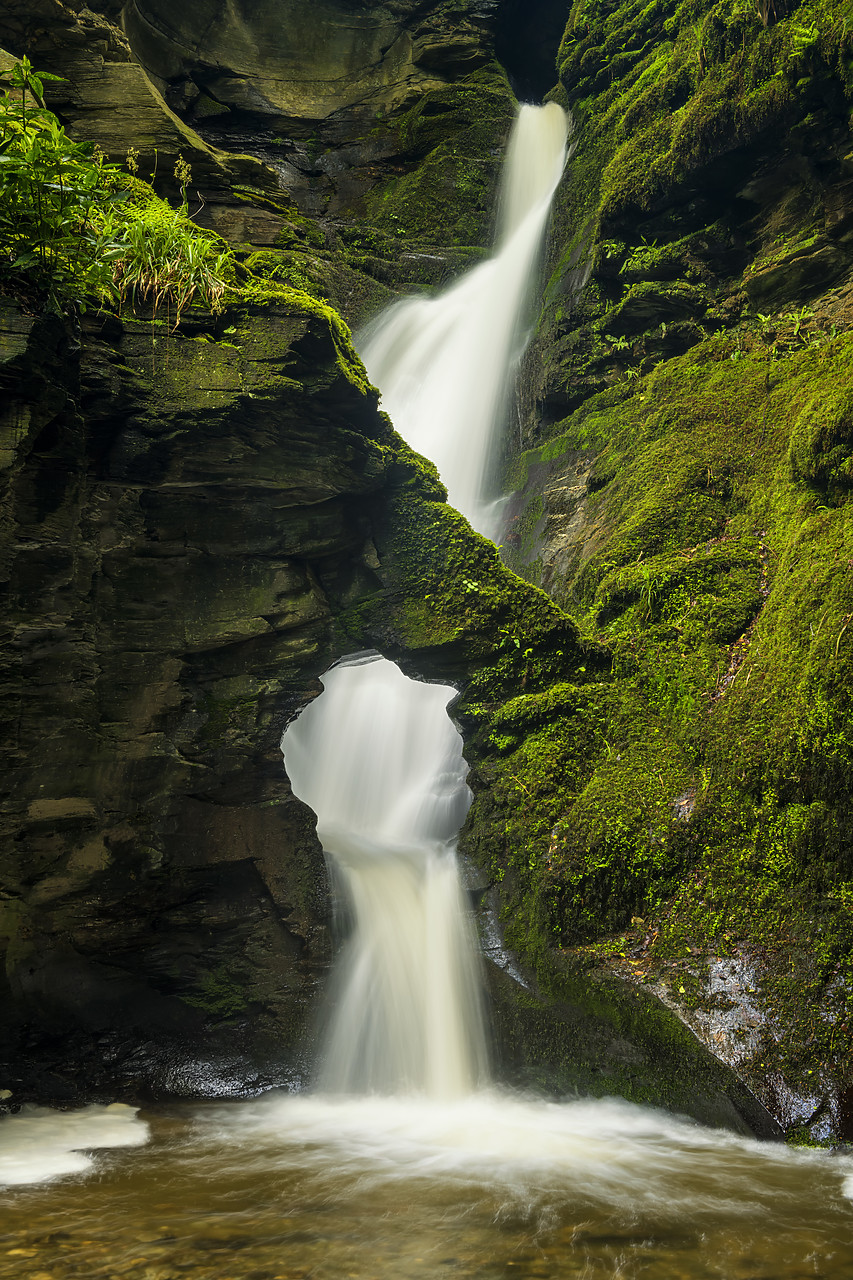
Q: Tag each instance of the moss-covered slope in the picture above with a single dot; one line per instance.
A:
(686, 816)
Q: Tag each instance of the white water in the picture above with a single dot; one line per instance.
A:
(445, 364)
(375, 756)
(39, 1144)
(379, 762)
(589, 1153)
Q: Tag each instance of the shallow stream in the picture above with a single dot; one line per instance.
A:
(492, 1186)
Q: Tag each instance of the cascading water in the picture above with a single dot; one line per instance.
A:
(444, 365)
(376, 756)
(379, 762)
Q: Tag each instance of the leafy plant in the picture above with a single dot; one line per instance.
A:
(51, 191)
(75, 228)
(798, 319)
(804, 38)
(161, 257)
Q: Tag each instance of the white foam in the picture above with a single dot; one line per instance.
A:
(39, 1144)
(604, 1152)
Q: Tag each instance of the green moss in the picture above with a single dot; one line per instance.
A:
(571, 1038)
(821, 448)
(297, 270)
(299, 231)
(702, 783)
(279, 202)
(454, 603)
(451, 138)
(677, 107)
(221, 992)
(262, 290)
(668, 87)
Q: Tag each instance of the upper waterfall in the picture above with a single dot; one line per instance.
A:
(444, 364)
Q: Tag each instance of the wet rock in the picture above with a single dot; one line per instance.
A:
(163, 620)
(304, 61)
(591, 1034)
(199, 521)
(802, 273)
(730, 1015)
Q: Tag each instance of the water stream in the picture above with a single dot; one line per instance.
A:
(489, 1187)
(445, 364)
(376, 756)
(403, 1162)
(380, 763)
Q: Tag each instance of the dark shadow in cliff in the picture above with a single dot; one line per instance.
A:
(527, 36)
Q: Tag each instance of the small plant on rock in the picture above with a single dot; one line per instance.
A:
(74, 229)
(52, 196)
(162, 257)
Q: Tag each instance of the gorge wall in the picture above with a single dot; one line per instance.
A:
(200, 520)
(681, 480)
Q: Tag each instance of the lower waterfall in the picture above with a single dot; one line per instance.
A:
(379, 762)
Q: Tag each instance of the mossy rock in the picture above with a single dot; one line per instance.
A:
(588, 1034)
(699, 782)
(453, 137)
(821, 448)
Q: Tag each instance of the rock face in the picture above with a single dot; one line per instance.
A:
(597, 1036)
(344, 102)
(167, 498)
(197, 523)
(297, 61)
(193, 526)
(391, 191)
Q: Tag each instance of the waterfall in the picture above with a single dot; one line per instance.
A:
(375, 756)
(445, 364)
(378, 760)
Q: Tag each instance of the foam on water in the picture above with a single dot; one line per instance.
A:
(599, 1152)
(39, 1144)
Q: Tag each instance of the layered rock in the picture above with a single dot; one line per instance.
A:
(298, 63)
(197, 523)
(165, 496)
(397, 191)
